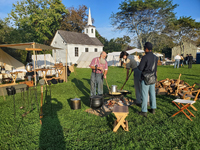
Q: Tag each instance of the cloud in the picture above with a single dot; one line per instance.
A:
(3, 15)
(197, 19)
(7, 2)
(110, 32)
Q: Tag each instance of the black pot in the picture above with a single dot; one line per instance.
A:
(11, 90)
(60, 80)
(96, 101)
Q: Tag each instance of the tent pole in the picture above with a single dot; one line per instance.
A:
(45, 61)
(55, 55)
(34, 66)
(66, 66)
(36, 58)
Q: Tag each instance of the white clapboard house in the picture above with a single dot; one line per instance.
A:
(73, 44)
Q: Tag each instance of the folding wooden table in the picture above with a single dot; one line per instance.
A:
(120, 112)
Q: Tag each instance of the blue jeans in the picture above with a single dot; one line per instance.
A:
(177, 61)
(148, 89)
(137, 85)
(94, 81)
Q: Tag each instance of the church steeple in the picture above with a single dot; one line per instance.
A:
(89, 18)
(90, 29)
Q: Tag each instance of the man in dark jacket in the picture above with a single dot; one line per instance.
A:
(190, 60)
(148, 61)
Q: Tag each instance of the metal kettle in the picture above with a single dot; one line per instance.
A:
(28, 67)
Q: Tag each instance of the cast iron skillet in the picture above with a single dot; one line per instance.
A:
(115, 93)
(123, 91)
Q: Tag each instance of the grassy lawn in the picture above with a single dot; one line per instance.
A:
(64, 128)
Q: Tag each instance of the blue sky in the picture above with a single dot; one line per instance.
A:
(101, 11)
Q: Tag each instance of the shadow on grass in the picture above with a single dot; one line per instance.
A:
(84, 90)
(51, 133)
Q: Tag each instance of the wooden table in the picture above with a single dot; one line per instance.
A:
(120, 112)
(44, 73)
(14, 75)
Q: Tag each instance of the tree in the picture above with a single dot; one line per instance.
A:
(39, 20)
(75, 20)
(183, 29)
(124, 42)
(142, 17)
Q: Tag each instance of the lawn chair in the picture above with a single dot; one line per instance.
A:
(188, 103)
(191, 94)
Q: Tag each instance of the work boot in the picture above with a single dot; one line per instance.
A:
(152, 111)
(144, 114)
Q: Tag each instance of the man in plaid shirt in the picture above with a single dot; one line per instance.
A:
(99, 68)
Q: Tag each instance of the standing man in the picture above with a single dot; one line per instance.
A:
(177, 61)
(181, 61)
(131, 63)
(190, 60)
(148, 62)
(186, 59)
(99, 68)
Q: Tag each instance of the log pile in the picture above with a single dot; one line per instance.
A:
(172, 87)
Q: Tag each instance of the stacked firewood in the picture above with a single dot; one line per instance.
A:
(119, 101)
(172, 87)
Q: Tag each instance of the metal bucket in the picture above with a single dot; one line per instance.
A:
(113, 88)
(76, 103)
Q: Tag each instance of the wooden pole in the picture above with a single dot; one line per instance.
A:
(126, 80)
(66, 65)
(36, 58)
(45, 64)
(55, 55)
(34, 63)
(41, 103)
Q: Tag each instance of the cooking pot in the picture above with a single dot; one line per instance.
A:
(11, 90)
(76, 103)
(113, 88)
(28, 68)
(96, 101)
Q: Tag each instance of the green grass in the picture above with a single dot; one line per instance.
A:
(64, 128)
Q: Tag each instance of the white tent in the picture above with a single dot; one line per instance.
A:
(11, 63)
(44, 60)
(158, 54)
(86, 58)
(135, 50)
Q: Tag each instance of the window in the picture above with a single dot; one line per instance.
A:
(76, 51)
(95, 50)
(86, 30)
(92, 31)
(86, 49)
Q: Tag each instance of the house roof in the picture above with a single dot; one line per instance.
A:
(78, 38)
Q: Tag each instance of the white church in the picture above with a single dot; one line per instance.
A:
(73, 44)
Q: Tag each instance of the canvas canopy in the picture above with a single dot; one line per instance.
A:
(44, 60)
(11, 64)
(86, 58)
(158, 54)
(135, 50)
(113, 59)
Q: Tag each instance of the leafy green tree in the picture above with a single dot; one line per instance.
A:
(142, 17)
(39, 20)
(75, 20)
(183, 29)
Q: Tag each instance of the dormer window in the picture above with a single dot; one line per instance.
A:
(86, 30)
(91, 30)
